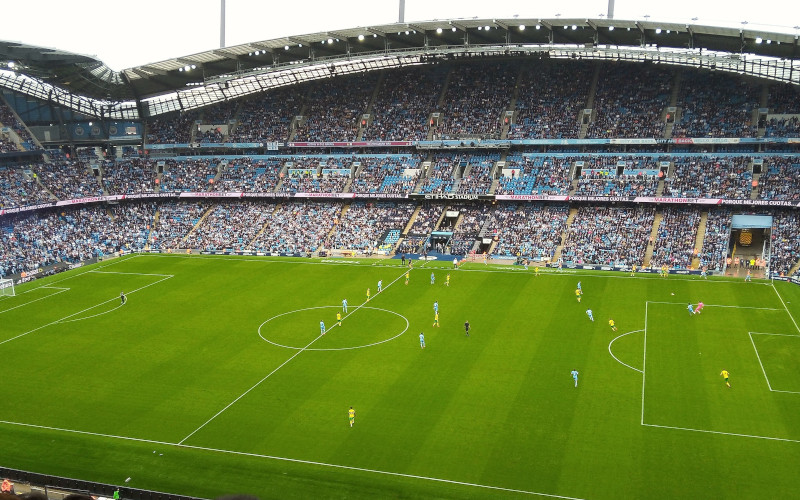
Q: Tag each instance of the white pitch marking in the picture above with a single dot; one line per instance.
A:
(644, 358)
(785, 308)
(281, 365)
(759, 360)
(134, 274)
(60, 320)
(787, 440)
(495, 269)
(333, 326)
(616, 358)
(719, 305)
(61, 290)
(293, 460)
(92, 316)
(776, 334)
(268, 375)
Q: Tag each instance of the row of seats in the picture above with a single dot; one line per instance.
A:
(690, 176)
(546, 97)
(597, 234)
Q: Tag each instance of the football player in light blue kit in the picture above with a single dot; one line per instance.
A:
(322, 328)
(380, 286)
(422, 340)
(344, 305)
(436, 306)
(589, 313)
(574, 374)
(433, 278)
(690, 308)
(579, 287)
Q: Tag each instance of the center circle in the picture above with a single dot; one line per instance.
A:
(331, 329)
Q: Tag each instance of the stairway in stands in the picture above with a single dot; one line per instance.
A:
(795, 268)
(698, 240)
(557, 254)
(648, 255)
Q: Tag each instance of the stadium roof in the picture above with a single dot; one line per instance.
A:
(760, 53)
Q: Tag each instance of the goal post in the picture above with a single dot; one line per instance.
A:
(6, 288)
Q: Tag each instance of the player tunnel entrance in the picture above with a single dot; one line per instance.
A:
(749, 244)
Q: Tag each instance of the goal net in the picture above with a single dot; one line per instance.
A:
(6, 287)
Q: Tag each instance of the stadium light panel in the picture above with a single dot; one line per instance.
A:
(360, 37)
(285, 47)
(439, 30)
(487, 28)
(330, 41)
(407, 32)
(522, 27)
(480, 28)
(658, 31)
(538, 26)
(574, 27)
(453, 29)
(610, 28)
(11, 64)
(758, 39)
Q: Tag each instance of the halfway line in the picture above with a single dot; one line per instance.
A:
(281, 366)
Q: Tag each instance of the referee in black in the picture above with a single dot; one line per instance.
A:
(466, 327)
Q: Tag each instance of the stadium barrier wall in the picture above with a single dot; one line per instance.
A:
(86, 487)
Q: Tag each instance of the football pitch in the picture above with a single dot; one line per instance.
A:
(214, 379)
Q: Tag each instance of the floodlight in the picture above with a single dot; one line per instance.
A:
(439, 30)
(406, 32)
(758, 39)
(194, 67)
(574, 27)
(658, 31)
(522, 27)
(330, 40)
(480, 28)
(11, 64)
(453, 29)
(361, 37)
(610, 28)
(186, 68)
(487, 28)
(538, 27)
(285, 47)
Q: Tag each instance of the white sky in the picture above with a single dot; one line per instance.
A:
(124, 34)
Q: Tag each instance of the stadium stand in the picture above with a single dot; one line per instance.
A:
(629, 101)
(677, 232)
(476, 96)
(608, 235)
(551, 111)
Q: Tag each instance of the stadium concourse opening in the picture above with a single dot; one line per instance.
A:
(748, 245)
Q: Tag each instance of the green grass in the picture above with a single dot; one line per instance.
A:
(217, 366)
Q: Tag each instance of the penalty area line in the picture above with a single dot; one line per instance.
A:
(707, 431)
(292, 460)
(65, 318)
